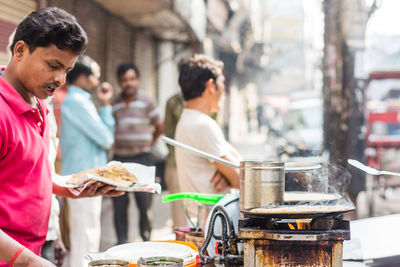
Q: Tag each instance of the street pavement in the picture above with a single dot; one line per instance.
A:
(161, 217)
(162, 223)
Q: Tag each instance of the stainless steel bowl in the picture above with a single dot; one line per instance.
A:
(160, 261)
(109, 263)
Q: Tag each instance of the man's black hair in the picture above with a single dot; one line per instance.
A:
(78, 70)
(124, 67)
(48, 26)
(194, 74)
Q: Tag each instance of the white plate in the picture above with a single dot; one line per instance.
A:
(133, 251)
(308, 196)
(145, 174)
(301, 167)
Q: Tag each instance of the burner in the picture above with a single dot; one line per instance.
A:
(293, 242)
(302, 238)
(301, 224)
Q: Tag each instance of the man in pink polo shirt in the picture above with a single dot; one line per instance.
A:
(45, 47)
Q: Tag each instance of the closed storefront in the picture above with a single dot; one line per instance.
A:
(145, 59)
(11, 13)
(119, 47)
(67, 5)
(94, 19)
(110, 37)
(116, 37)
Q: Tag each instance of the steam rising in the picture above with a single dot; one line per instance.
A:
(329, 179)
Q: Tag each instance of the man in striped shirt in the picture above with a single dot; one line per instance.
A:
(138, 125)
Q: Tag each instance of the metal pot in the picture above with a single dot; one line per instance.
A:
(262, 183)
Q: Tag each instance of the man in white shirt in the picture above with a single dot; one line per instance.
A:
(202, 84)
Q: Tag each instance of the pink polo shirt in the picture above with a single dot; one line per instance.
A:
(25, 179)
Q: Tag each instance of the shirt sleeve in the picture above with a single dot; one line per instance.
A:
(84, 116)
(106, 113)
(212, 139)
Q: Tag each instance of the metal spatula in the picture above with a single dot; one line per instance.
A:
(370, 170)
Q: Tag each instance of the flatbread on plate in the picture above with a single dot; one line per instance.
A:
(116, 173)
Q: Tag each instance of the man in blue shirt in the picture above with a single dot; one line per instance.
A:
(85, 138)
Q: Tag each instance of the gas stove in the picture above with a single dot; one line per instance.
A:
(293, 242)
(286, 239)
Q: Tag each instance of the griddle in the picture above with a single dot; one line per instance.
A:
(310, 198)
(296, 215)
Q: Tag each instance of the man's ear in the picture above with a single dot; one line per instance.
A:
(19, 49)
(80, 81)
(210, 86)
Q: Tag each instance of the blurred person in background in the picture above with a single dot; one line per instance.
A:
(138, 125)
(85, 138)
(173, 111)
(53, 249)
(202, 85)
(58, 100)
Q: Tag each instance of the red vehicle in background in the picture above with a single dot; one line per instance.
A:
(382, 117)
(382, 114)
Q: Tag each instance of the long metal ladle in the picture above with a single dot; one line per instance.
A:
(203, 154)
(200, 153)
(370, 170)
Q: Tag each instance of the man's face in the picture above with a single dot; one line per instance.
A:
(129, 82)
(220, 93)
(44, 70)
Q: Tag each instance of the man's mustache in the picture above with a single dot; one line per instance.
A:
(129, 87)
(53, 84)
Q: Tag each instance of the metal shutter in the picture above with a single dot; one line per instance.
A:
(16, 10)
(119, 48)
(67, 5)
(12, 13)
(145, 58)
(94, 20)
